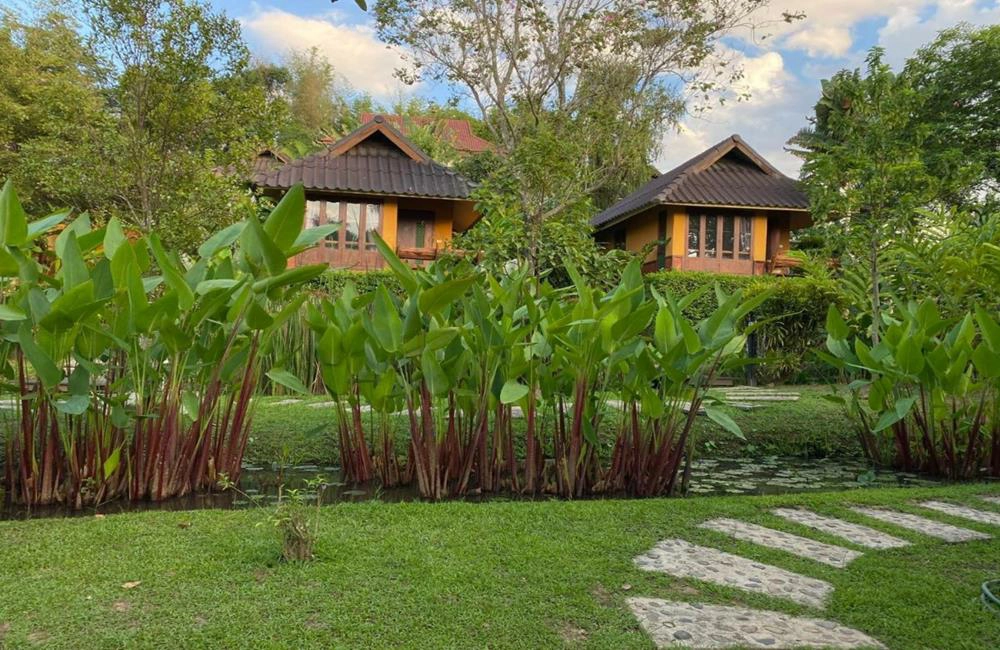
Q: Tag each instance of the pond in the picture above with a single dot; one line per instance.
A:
(709, 476)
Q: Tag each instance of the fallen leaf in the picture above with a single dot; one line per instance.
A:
(184, 524)
(99, 516)
(626, 587)
(131, 585)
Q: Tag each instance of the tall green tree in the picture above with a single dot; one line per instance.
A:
(956, 76)
(864, 168)
(55, 130)
(588, 83)
(190, 118)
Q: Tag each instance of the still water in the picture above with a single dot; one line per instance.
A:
(710, 476)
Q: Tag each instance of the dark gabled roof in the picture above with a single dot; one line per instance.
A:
(729, 174)
(374, 159)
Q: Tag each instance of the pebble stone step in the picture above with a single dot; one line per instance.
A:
(944, 532)
(853, 533)
(964, 512)
(991, 499)
(696, 625)
(836, 556)
(682, 559)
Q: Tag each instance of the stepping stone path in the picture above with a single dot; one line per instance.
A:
(836, 556)
(963, 512)
(673, 624)
(754, 394)
(695, 625)
(853, 533)
(682, 559)
(945, 532)
(286, 402)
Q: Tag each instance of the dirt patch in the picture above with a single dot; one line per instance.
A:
(260, 575)
(39, 636)
(313, 623)
(602, 595)
(4, 629)
(572, 634)
(121, 606)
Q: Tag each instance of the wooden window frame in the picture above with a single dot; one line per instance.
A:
(735, 253)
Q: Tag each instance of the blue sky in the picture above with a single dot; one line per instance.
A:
(782, 72)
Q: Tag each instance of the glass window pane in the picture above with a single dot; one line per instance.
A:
(373, 222)
(694, 235)
(352, 226)
(333, 216)
(314, 211)
(728, 237)
(711, 235)
(746, 234)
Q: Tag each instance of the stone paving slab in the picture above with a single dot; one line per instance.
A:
(836, 556)
(945, 532)
(991, 499)
(854, 533)
(964, 512)
(696, 625)
(682, 559)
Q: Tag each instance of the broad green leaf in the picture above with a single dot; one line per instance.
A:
(285, 378)
(222, 239)
(45, 224)
(436, 298)
(724, 421)
(172, 275)
(205, 286)
(835, 325)
(403, 273)
(8, 313)
(285, 222)
(13, 220)
(74, 269)
(72, 405)
(112, 462)
(114, 236)
(47, 371)
(9, 266)
(513, 391)
(899, 411)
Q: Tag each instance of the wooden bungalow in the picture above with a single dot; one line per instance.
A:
(376, 180)
(727, 210)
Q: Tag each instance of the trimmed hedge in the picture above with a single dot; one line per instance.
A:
(332, 282)
(795, 315)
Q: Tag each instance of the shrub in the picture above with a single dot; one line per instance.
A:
(794, 315)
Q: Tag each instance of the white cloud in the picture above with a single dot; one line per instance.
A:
(821, 40)
(354, 50)
(776, 109)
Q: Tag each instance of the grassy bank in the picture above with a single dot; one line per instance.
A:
(811, 427)
(498, 575)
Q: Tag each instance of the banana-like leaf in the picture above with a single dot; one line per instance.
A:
(285, 222)
(13, 220)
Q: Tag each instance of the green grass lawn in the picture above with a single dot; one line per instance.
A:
(458, 575)
(811, 427)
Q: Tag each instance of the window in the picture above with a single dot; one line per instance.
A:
(720, 236)
(746, 236)
(352, 226)
(728, 238)
(373, 222)
(314, 212)
(694, 235)
(332, 216)
(711, 235)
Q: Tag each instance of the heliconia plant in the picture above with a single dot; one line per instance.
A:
(135, 367)
(463, 355)
(927, 396)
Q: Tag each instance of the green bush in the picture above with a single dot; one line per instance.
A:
(332, 282)
(796, 313)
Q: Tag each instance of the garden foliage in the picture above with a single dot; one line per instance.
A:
(926, 397)
(134, 367)
(461, 349)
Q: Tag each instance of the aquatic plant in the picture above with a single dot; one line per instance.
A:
(135, 367)
(926, 396)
